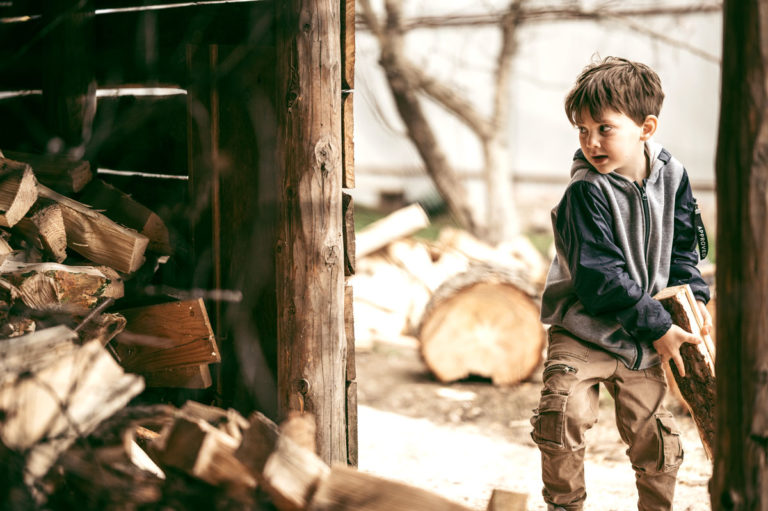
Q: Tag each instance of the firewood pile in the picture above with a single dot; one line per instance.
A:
(471, 308)
(70, 357)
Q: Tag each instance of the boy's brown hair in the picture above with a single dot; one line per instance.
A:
(631, 88)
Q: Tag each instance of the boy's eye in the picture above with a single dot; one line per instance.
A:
(582, 130)
(605, 128)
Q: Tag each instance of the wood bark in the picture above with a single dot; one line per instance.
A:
(740, 475)
(697, 387)
(310, 258)
(481, 322)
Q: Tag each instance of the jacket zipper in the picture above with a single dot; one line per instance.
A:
(647, 218)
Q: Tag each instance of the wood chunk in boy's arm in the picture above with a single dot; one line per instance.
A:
(698, 386)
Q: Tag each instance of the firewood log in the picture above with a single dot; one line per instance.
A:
(18, 191)
(44, 228)
(347, 489)
(502, 500)
(380, 233)
(698, 386)
(96, 237)
(59, 172)
(482, 322)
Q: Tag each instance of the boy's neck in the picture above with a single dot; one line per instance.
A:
(638, 173)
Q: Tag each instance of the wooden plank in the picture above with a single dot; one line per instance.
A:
(18, 191)
(181, 331)
(98, 238)
(347, 489)
(311, 350)
(123, 209)
(352, 430)
(349, 331)
(348, 212)
(348, 139)
(347, 44)
(63, 174)
(189, 377)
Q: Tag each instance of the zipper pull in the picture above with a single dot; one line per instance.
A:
(701, 233)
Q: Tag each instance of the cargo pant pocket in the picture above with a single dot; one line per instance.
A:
(549, 420)
(670, 446)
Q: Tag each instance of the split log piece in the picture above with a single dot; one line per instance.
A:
(482, 322)
(59, 172)
(698, 386)
(18, 191)
(69, 288)
(503, 500)
(379, 234)
(125, 210)
(189, 377)
(44, 228)
(96, 237)
(347, 489)
(183, 332)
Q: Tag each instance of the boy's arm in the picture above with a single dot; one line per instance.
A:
(598, 267)
(683, 268)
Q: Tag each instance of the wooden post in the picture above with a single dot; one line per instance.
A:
(310, 252)
(740, 475)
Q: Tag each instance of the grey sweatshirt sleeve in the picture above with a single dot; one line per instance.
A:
(598, 266)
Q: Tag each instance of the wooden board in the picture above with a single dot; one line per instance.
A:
(348, 139)
(181, 329)
(480, 322)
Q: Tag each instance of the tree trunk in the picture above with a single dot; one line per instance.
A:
(310, 258)
(740, 477)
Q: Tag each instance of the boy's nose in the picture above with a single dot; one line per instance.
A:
(592, 140)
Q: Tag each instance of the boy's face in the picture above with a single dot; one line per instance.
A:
(616, 143)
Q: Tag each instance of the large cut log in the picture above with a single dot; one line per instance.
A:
(56, 171)
(18, 191)
(347, 489)
(698, 385)
(44, 228)
(165, 336)
(69, 288)
(52, 391)
(399, 224)
(96, 237)
(482, 322)
(188, 377)
(123, 209)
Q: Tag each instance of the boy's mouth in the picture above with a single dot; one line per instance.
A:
(599, 158)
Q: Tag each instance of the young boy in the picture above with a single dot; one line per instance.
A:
(624, 230)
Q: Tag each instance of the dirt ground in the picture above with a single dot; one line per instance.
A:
(464, 439)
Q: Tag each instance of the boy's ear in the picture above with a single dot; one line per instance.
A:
(649, 126)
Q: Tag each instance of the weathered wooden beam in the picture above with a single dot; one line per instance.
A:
(311, 347)
(98, 238)
(698, 386)
(165, 336)
(348, 139)
(348, 211)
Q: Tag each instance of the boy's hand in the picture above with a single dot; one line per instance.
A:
(707, 327)
(668, 346)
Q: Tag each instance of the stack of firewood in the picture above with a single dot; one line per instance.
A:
(70, 356)
(470, 307)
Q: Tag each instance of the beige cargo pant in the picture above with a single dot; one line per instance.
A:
(568, 408)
